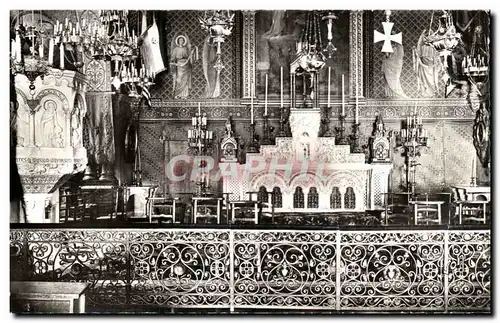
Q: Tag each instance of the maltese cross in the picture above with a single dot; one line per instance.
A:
(387, 37)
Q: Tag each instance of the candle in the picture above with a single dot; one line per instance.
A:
(13, 49)
(18, 47)
(194, 121)
(343, 101)
(199, 108)
(329, 72)
(40, 49)
(281, 83)
(265, 102)
(61, 56)
(51, 51)
(474, 166)
(251, 104)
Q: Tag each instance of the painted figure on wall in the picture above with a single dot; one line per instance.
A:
(51, 130)
(427, 66)
(212, 89)
(23, 123)
(392, 65)
(181, 59)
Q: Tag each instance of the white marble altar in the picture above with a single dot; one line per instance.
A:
(306, 161)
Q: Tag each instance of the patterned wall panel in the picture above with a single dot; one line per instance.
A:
(186, 22)
(458, 152)
(151, 152)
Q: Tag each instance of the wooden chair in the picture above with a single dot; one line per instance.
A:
(161, 208)
(397, 207)
(427, 211)
(472, 211)
(206, 208)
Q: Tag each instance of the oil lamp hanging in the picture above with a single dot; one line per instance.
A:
(219, 25)
(445, 40)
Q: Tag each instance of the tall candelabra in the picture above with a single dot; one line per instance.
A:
(410, 139)
(200, 142)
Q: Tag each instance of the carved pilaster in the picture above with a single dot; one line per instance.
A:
(356, 52)
(248, 51)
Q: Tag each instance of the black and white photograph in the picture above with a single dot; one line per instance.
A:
(242, 162)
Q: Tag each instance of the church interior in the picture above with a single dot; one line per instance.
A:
(250, 161)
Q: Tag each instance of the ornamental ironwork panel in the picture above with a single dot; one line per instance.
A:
(94, 256)
(284, 269)
(469, 270)
(180, 268)
(392, 270)
(384, 271)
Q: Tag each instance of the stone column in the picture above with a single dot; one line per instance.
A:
(248, 52)
(99, 99)
(49, 127)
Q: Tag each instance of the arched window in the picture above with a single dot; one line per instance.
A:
(335, 198)
(313, 198)
(350, 198)
(262, 195)
(298, 198)
(277, 199)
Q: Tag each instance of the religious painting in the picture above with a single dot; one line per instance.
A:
(277, 35)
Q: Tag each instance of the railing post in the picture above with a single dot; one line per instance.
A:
(445, 273)
(337, 270)
(128, 284)
(231, 270)
(26, 275)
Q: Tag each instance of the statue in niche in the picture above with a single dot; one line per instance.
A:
(212, 77)
(76, 138)
(392, 65)
(51, 130)
(427, 66)
(181, 59)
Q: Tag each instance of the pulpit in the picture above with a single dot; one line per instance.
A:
(50, 139)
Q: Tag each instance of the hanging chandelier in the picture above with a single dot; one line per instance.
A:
(27, 55)
(444, 40)
(310, 57)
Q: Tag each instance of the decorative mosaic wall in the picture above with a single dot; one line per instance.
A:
(186, 22)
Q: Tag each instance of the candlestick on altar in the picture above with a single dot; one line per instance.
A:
(473, 181)
(265, 100)
(340, 138)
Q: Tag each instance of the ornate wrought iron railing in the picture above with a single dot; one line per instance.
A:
(239, 269)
